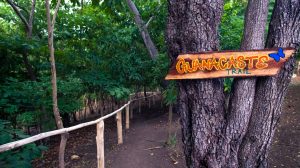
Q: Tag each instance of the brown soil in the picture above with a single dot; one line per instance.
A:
(149, 129)
(285, 150)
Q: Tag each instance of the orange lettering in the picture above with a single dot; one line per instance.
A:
(261, 64)
(180, 66)
(250, 64)
(241, 64)
(223, 66)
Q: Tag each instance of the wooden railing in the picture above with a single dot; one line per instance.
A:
(99, 130)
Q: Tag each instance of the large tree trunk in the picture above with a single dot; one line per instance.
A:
(241, 136)
(284, 31)
(193, 27)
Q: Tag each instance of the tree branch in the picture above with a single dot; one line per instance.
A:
(55, 13)
(49, 25)
(143, 30)
(20, 15)
(152, 17)
(21, 7)
(30, 21)
(147, 24)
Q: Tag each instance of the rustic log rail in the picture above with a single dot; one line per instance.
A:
(99, 130)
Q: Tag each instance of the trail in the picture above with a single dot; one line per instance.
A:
(148, 129)
(285, 150)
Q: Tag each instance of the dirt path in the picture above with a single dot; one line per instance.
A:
(285, 150)
(149, 129)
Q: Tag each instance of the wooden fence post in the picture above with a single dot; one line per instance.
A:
(119, 127)
(127, 116)
(100, 144)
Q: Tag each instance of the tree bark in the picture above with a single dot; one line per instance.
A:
(143, 30)
(59, 123)
(241, 136)
(243, 90)
(284, 31)
(193, 27)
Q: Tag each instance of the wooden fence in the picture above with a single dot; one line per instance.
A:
(99, 129)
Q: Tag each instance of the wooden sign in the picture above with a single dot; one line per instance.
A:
(229, 64)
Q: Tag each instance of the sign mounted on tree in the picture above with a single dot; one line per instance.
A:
(229, 64)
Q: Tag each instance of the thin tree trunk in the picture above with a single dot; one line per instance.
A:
(28, 66)
(284, 31)
(143, 30)
(28, 29)
(30, 20)
(57, 116)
